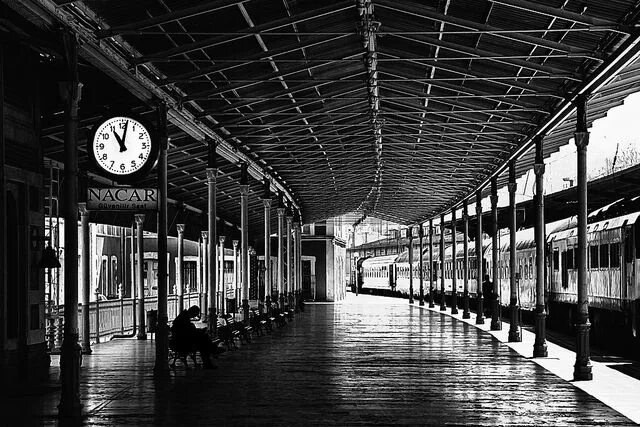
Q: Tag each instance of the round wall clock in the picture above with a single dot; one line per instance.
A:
(122, 148)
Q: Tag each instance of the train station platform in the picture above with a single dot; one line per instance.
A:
(366, 360)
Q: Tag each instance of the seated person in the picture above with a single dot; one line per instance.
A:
(186, 335)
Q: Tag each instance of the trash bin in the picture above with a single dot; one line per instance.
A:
(152, 321)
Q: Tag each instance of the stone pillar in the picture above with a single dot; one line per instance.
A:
(410, 236)
(289, 288)
(280, 212)
(496, 323)
(479, 261)
(421, 262)
(142, 330)
(443, 302)
(180, 268)
(222, 286)
(514, 328)
(162, 334)
(70, 357)
(431, 303)
(85, 276)
(244, 245)
(465, 263)
(582, 367)
(540, 344)
(205, 272)
(212, 175)
(266, 201)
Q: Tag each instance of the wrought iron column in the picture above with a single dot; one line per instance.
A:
(244, 241)
(465, 262)
(540, 344)
(479, 261)
(205, 272)
(85, 275)
(180, 268)
(431, 303)
(410, 236)
(70, 350)
(514, 328)
(421, 263)
(236, 282)
(454, 262)
(296, 264)
(266, 201)
(142, 330)
(496, 323)
(221, 285)
(162, 334)
(278, 294)
(212, 175)
(443, 302)
(289, 287)
(582, 367)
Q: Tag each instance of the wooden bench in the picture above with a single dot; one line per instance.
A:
(178, 351)
(258, 322)
(243, 331)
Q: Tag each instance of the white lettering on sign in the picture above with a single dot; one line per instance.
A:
(122, 199)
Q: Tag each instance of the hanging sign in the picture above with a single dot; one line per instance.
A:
(122, 199)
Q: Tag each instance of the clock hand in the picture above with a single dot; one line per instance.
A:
(120, 142)
(124, 137)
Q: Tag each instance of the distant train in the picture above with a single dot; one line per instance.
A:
(613, 263)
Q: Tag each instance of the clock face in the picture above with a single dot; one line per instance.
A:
(122, 147)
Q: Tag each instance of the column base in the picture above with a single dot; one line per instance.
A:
(141, 336)
(540, 345)
(496, 325)
(466, 314)
(582, 367)
(480, 313)
(514, 335)
(421, 303)
(70, 361)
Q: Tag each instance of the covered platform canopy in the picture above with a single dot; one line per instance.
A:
(397, 109)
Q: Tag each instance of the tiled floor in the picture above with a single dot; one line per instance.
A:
(365, 361)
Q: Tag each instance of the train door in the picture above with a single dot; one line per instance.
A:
(392, 276)
(564, 271)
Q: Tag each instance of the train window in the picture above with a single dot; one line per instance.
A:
(593, 257)
(556, 259)
(615, 255)
(570, 263)
(604, 256)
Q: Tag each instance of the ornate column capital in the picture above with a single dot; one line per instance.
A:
(82, 209)
(244, 189)
(180, 228)
(280, 211)
(538, 169)
(582, 139)
(139, 218)
(212, 174)
(235, 244)
(221, 239)
(289, 220)
(204, 235)
(267, 202)
(512, 187)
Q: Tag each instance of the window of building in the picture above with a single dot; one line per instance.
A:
(570, 259)
(556, 259)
